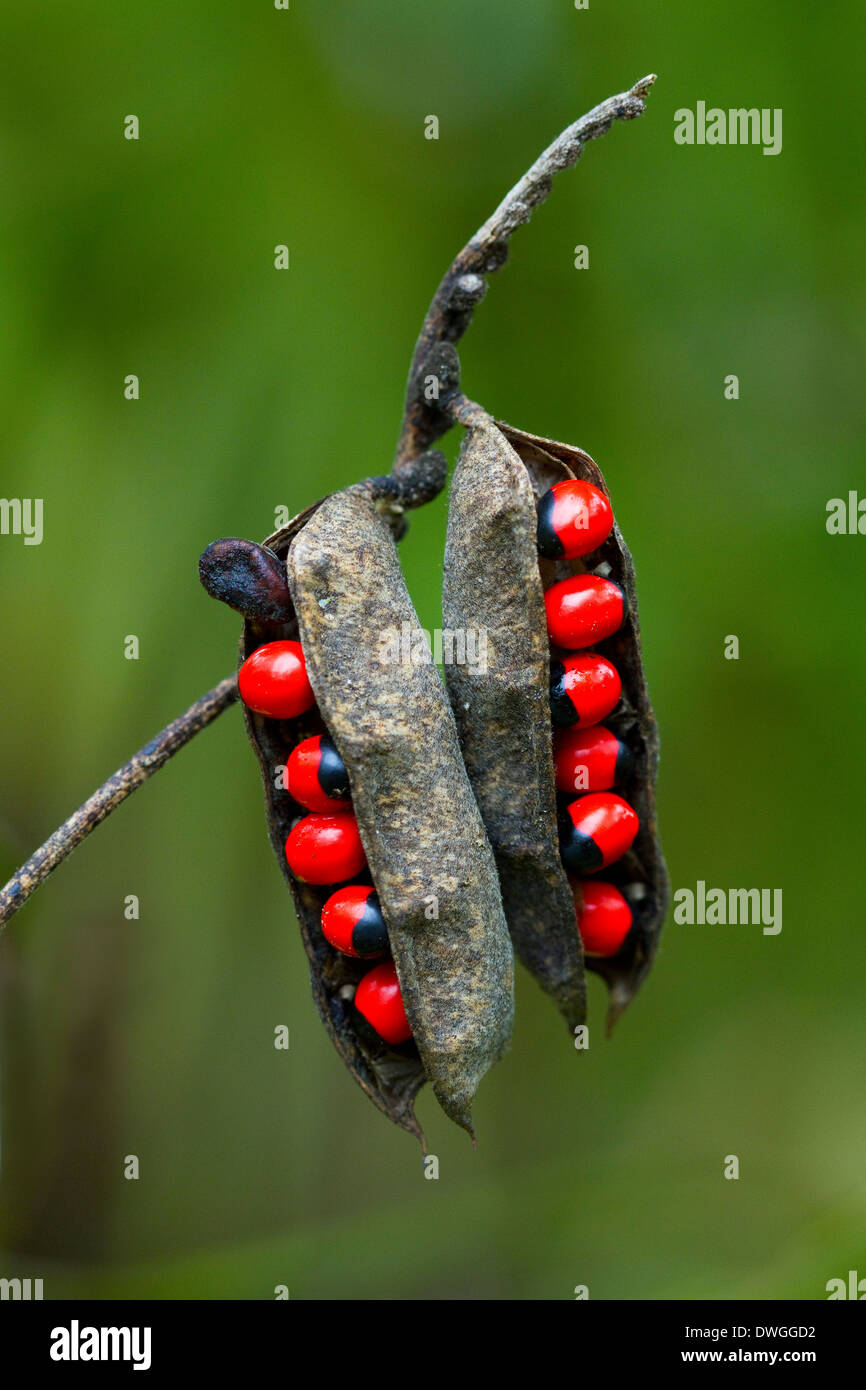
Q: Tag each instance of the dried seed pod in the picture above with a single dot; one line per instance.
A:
(491, 583)
(427, 851)
(249, 578)
(428, 854)
(494, 576)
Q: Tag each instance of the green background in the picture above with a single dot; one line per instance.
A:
(262, 388)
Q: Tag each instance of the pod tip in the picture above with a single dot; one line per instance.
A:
(248, 577)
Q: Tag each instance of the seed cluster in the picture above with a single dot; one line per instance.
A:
(534, 556)
(597, 827)
(324, 846)
(608, 753)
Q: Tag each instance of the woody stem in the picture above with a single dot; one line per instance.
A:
(463, 285)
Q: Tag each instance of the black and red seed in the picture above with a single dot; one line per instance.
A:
(316, 775)
(595, 830)
(590, 760)
(574, 518)
(352, 922)
(597, 827)
(584, 689)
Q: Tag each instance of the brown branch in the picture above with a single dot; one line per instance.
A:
(112, 794)
(463, 285)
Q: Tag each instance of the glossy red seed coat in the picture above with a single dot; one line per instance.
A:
(582, 517)
(341, 914)
(325, 848)
(585, 759)
(592, 685)
(583, 610)
(273, 681)
(608, 820)
(378, 998)
(604, 919)
(302, 778)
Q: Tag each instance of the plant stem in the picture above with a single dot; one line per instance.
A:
(112, 794)
(463, 285)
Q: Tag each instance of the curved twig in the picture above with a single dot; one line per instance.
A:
(463, 285)
(112, 794)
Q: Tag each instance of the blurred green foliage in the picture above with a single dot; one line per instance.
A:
(261, 388)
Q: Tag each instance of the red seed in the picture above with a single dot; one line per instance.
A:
(574, 518)
(604, 919)
(316, 775)
(583, 610)
(325, 848)
(379, 999)
(595, 830)
(273, 681)
(352, 922)
(584, 689)
(589, 760)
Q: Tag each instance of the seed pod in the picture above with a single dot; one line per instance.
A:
(427, 852)
(494, 577)
(491, 582)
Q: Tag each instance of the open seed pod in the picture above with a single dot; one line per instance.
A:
(494, 577)
(427, 852)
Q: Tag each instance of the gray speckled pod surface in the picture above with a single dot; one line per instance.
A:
(491, 583)
(424, 837)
